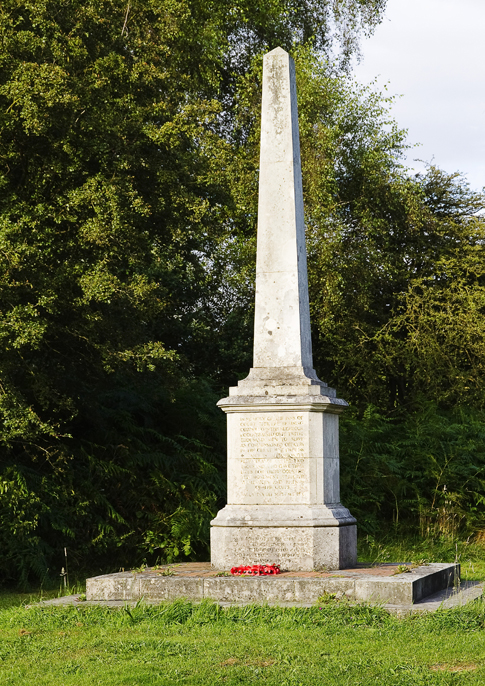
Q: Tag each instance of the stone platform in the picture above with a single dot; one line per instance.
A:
(196, 581)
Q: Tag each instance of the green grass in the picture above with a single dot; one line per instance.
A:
(16, 598)
(183, 643)
(399, 548)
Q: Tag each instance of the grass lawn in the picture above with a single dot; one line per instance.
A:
(183, 643)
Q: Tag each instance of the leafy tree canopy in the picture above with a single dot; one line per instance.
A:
(116, 146)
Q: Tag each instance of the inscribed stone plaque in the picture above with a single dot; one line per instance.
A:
(269, 461)
(272, 434)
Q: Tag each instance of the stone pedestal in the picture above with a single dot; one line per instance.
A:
(283, 484)
(282, 421)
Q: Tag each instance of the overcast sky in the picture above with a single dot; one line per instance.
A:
(432, 52)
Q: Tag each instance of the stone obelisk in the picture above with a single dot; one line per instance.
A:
(282, 421)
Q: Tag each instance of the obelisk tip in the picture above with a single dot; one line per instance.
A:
(276, 51)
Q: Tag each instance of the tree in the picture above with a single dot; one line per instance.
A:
(404, 317)
(435, 342)
(116, 143)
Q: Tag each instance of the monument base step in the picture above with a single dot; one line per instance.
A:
(446, 599)
(197, 581)
(297, 548)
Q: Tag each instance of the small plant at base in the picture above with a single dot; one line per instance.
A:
(330, 597)
(402, 569)
(166, 572)
(137, 570)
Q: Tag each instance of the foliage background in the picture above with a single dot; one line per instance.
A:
(128, 173)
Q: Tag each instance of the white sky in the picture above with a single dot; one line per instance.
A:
(432, 52)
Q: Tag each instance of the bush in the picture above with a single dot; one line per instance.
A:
(427, 466)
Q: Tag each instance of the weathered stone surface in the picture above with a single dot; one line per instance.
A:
(170, 588)
(283, 490)
(282, 421)
(282, 361)
(408, 587)
(282, 457)
(281, 591)
(282, 313)
(400, 591)
(133, 586)
(285, 516)
(121, 586)
(298, 548)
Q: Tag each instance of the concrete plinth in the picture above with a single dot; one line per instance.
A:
(197, 581)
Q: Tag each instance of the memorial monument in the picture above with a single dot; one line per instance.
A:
(282, 427)
(282, 421)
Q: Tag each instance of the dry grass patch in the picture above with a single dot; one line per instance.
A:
(453, 668)
(233, 661)
(262, 663)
